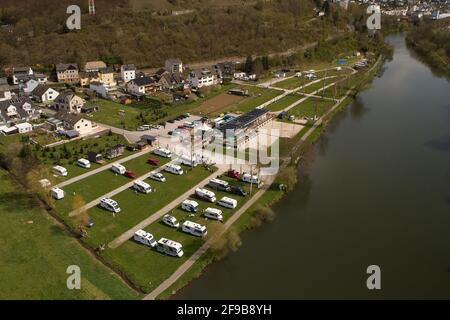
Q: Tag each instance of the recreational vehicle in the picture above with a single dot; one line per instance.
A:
(118, 168)
(57, 193)
(84, 163)
(187, 161)
(213, 213)
(247, 177)
(205, 194)
(60, 171)
(171, 221)
(173, 168)
(220, 185)
(163, 152)
(110, 205)
(169, 247)
(142, 187)
(194, 228)
(227, 203)
(157, 176)
(145, 238)
(189, 206)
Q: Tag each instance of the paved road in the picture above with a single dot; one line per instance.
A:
(158, 214)
(102, 168)
(197, 254)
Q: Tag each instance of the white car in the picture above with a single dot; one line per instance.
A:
(171, 221)
(157, 176)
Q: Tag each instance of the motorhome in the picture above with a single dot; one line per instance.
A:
(188, 161)
(145, 238)
(169, 247)
(205, 194)
(110, 205)
(171, 221)
(142, 187)
(189, 206)
(60, 171)
(173, 168)
(220, 185)
(194, 228)
(157, 176)
(213, 213)
(163, 152)
(118, 168)
(57, 193)
(227, 203)
(84, 163)
(247, 177)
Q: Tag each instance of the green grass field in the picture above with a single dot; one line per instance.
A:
(35, 254)
(284, 102)
(257, 97)
(149, 268)
(307, 108)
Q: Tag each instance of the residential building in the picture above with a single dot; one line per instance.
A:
(43, 93)
(67, 73)
(202, 78)
(106, 76)
(87, 77)
(29, 85)
(94, 66)
(18, 110)
(5, 90)
(20, 73)
(101, 89)
(115, 151)
(75, 122)
(128, 72)
(69, 102)
(143, 86)
(174, 66)
(24, 127)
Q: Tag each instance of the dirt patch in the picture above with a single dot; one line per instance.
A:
(216, 104)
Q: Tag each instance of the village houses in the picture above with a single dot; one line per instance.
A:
(67, 73)
(69, 103)
(128, 72)
(43, 93)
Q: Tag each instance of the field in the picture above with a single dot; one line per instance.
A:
(284, 102)
(307, 108)
(257, 97)
(34, 247)
(217, 104)
(291, 83)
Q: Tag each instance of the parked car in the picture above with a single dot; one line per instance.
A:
(171, 221)
(238, 190)
(234, 174)
(157, 176)
(130, 174)
(153, 162)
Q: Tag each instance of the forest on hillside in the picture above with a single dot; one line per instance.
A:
(129, 31)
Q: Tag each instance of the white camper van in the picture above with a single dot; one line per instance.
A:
(57, 193)
(247, 177)
(118, 168)
(169, 247)
(157, 176)
(227, 203)
(213, 213)
(171, 221)
(84, 163)
(187, 161)
(60, 171)
(189, 206)
(145, 238)
(194, 228)
(110, 205)
(220, 185)
(173, 168)
(163, 152)
(205, 194)
(142, 187)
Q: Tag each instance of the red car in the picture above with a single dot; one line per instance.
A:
(153, 162)
(234, 174)
(130, 174)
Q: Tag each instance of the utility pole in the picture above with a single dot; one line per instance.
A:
(251, 179)
(92, 7)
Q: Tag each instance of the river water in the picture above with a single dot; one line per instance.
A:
(377, 193)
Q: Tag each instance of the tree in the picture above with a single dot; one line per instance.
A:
(248, 64)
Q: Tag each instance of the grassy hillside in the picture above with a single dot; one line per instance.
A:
(145, 32)
(35, 254)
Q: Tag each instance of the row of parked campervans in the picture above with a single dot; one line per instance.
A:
(164, 245)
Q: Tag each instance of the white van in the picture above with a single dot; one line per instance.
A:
(247, 177)
(227, 203)
(173, 168)
(169, 247)
(189, 206)
(187, 161)
(142, 187)
(60, 171)
(194, 228)
(84, 163)
(145, 238)
(57, 193)
(213, 213)
(220, 185)
(163, 152)
(171, 221)
(110, 205)
(118, 168)
(205, 194)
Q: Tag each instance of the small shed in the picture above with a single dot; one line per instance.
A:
(115, 151)
(72, 134)
(95, 157)
(151, 140)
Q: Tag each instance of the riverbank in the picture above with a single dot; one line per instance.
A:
(290, 158)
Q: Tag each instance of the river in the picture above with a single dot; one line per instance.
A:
(377, 193)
